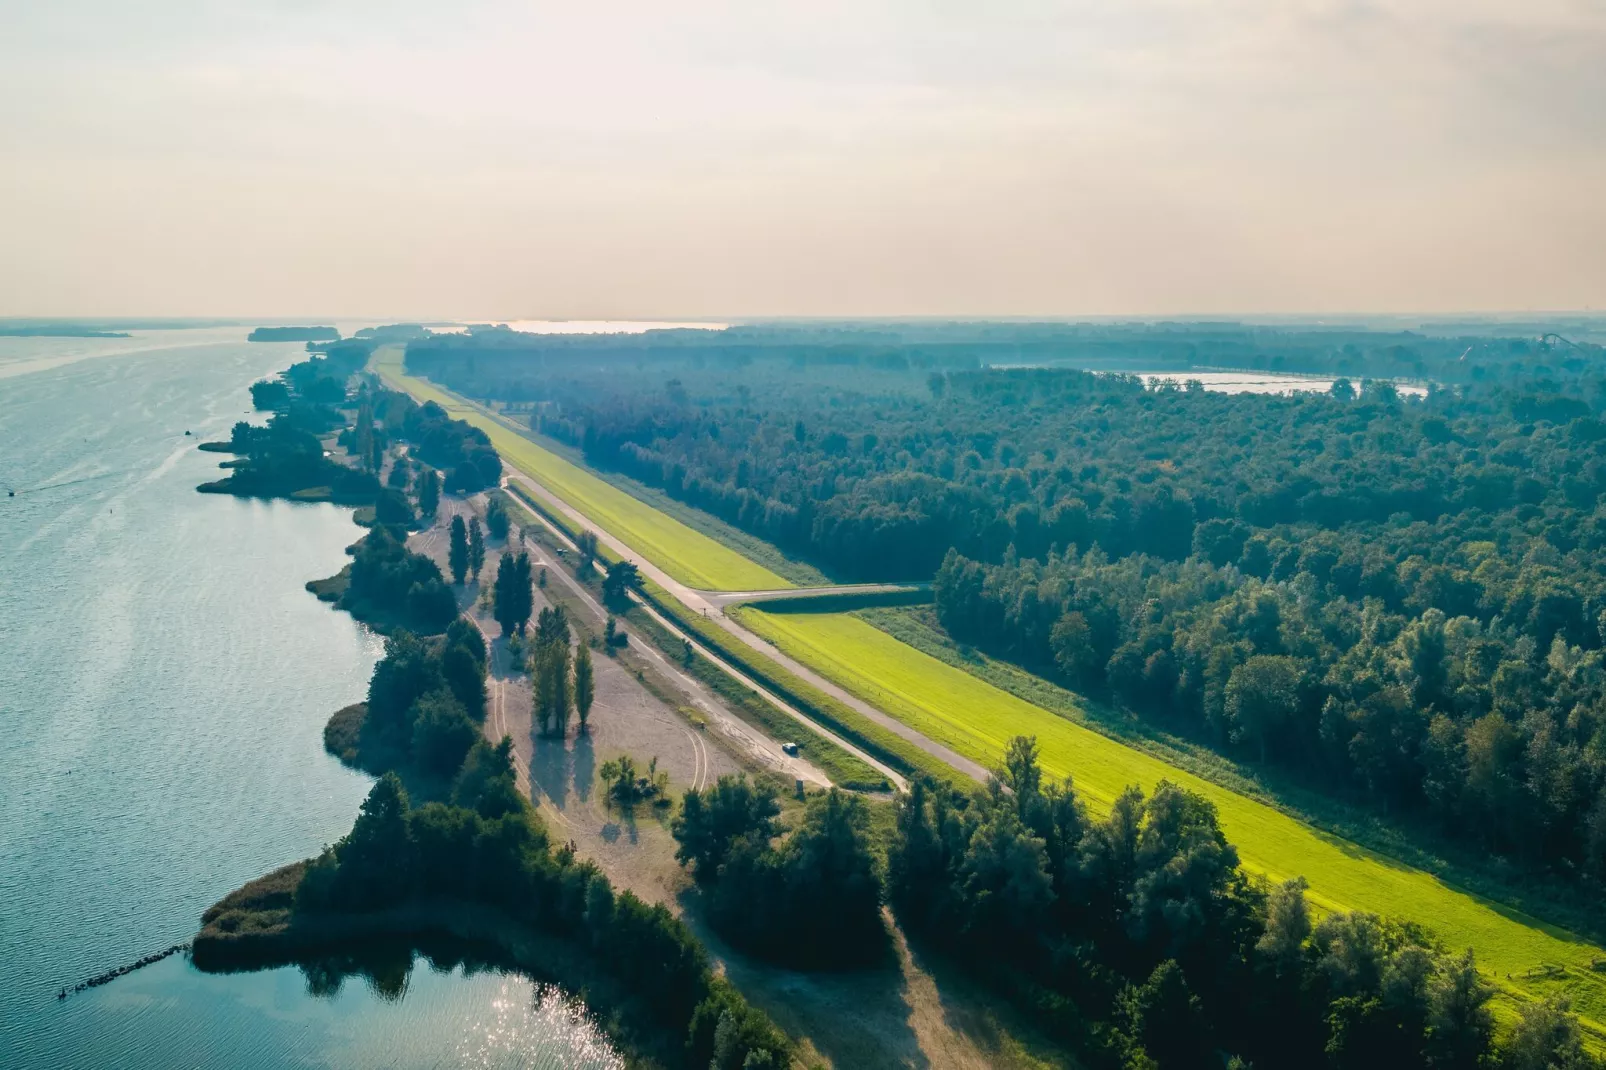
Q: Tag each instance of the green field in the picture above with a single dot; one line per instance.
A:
(686, 554)
(977, 719)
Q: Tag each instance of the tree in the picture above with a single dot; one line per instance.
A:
(1262, 696)
(514, 598)
(585, 685)
(496, 518)
(1546, 1038)
(622, 576)
(550, 682)
(1460, 1026)
(506, 607)
(1004, 878)
(405, 672)
(465, 678)
(476, 548)
(1166, 1019)
(487, 783)
(552, 626)
(442, 732)
(1021, 771)
(1287, 927)
(429, 492)
(586, 545)
(374, 857)
(711, 820)
(457, 557)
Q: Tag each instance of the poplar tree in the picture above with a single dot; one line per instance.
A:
(429, 492)
(458, 557)
(585, 685)
(476, 548)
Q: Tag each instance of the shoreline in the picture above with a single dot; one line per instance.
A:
(256, 926)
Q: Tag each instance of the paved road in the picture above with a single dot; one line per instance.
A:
(731, 598)
(700, 602)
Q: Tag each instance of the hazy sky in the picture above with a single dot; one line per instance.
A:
(681, 159)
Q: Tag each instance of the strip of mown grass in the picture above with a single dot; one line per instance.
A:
(1523, 955)
(688, 555)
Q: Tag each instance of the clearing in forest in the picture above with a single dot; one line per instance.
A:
(977, 720)
(686, 554)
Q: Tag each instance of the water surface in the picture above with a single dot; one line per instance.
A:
(164, 680)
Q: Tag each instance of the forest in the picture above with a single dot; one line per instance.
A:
(1397, 598)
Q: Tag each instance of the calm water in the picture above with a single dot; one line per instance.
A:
(163, 684)
(1260, 383)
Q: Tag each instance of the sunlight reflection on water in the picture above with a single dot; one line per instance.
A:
(553, 1031)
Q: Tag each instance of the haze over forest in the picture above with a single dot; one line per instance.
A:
(721, 160)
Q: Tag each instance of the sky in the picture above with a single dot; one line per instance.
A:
(728, 160)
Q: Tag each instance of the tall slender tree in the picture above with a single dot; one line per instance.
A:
(429, 492)
(522, 590)
(458, 556)
(585, 685)
(476, 548)
(514, 599)
(550, 683)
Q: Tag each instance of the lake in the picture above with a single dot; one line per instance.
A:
(164, 680)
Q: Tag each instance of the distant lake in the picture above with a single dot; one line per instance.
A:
(1262, 383)
(164, 680)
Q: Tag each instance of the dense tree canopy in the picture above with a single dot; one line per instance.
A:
(1139, 939)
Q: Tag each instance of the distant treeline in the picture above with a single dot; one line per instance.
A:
(511, 365)
(293, 334)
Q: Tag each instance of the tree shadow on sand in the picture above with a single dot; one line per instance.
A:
(853, 1017)
(584, 758)
(551, 768)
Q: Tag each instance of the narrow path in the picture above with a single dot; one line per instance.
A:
(731, 598)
